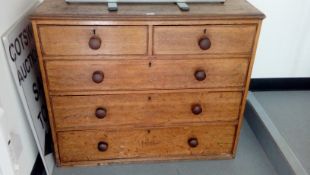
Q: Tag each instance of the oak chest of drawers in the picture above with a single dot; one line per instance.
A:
(148, 82)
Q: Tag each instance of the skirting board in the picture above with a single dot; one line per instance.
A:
(271, 84)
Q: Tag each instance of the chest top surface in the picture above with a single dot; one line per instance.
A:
(231, 9)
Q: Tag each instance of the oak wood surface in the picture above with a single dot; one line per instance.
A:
(247, 85)
(148, 142)
(78, 112)
(159, 21)
(143, 75)
(73, 40)
(147, 160)
(145, 57)
(136, 80)
(46, 92)
(231, 9)
(119, 92)
(225, 39)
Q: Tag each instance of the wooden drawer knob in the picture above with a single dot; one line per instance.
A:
(94, 42)
(193, 142)
(98, 76)
(101, 113)
(196, 109)
(200, 75)
(103, 146)
(204, 43)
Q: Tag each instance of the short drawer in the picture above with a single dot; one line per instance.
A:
(182, 142)
(93, 40)
(208, 39)
(144, 75)
(100, 111)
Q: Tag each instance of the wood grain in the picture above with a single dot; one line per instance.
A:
(124, 21)
(232, 9)
(78, 112)
(46, 92)
(73, 40)
(225, 39)
(82, 93)
(146, 160)
(149, 55)
(143, 57)
(142, 75)
(247, 85)
(138, 143)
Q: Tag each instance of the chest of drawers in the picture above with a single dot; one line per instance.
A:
(147, 82)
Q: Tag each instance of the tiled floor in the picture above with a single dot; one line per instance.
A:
(250, 160)
(290, 113)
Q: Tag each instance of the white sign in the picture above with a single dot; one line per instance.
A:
(22, 58)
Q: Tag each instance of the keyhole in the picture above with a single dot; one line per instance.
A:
(205, 31)
(150, 64)
(94, 31)
(149, 98)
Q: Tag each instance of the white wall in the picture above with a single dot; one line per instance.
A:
(5, 163)
(284, 46)
(14, 121)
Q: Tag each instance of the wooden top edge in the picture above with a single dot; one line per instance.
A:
(142, 18)
(231, 9)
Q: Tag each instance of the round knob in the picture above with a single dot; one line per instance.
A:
(103, 146)
(193, 142)
(204, 43)
(98, 76)
(196, 109)
(200, 75)
(101, 113)
(94, 42)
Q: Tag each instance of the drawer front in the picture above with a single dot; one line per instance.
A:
(146, 143)
(223, 39)
(80, 40)
(139, 74)
(85, 112)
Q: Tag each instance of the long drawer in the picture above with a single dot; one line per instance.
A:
(154, 143)
(216, 39)
(75, 40)
(100, 111)
(146, 75)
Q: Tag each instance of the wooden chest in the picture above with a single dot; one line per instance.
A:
(148, 82)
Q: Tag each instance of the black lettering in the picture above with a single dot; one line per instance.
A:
(40, 117)
(44, 113)
(20, 77)
(18, 48)
(21, 39)
(35, 56)
(23, 71)
(27, 65)
(13, 56)
(40, 87)
(32, 57)
(25, 37)
(35, 91)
